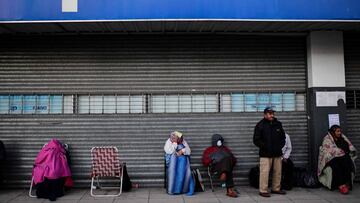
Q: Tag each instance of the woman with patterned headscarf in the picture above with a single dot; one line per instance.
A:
(336, 168)
(178, 172)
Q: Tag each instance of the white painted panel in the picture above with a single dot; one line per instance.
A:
(69, 5)
(326, 67)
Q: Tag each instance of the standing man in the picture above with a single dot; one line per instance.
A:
(269, 136)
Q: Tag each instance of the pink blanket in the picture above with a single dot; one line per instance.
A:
(51, 163)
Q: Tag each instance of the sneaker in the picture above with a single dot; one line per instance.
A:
(264, 194)
(280, 192)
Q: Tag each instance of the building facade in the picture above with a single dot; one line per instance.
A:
(127, 73)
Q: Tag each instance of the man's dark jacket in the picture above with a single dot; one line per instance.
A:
(269, 136)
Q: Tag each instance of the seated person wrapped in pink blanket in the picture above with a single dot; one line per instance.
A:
(51, 171)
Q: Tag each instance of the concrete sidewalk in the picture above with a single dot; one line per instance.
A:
(158, 195)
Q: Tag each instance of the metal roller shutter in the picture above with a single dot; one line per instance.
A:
(123, 64)
(352, 77)
(146, 64)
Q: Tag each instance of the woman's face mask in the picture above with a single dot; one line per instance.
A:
(219, 143)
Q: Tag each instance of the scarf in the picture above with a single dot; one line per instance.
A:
(328, 150)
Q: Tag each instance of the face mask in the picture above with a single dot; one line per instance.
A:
(219, 143)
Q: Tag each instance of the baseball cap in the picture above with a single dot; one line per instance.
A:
(269, 109)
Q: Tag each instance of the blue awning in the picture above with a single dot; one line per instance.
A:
(130, 10)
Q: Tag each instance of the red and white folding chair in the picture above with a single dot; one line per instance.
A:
(105, 163)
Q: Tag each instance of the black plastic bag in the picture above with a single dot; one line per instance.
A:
(305, 178)
(287, 173)
(254, 177)
(311, 180)
(298, 176)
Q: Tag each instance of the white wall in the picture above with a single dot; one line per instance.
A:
(325, 54)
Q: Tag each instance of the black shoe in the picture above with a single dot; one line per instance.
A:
(52, 197)
(264, 194)
(280, 192)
